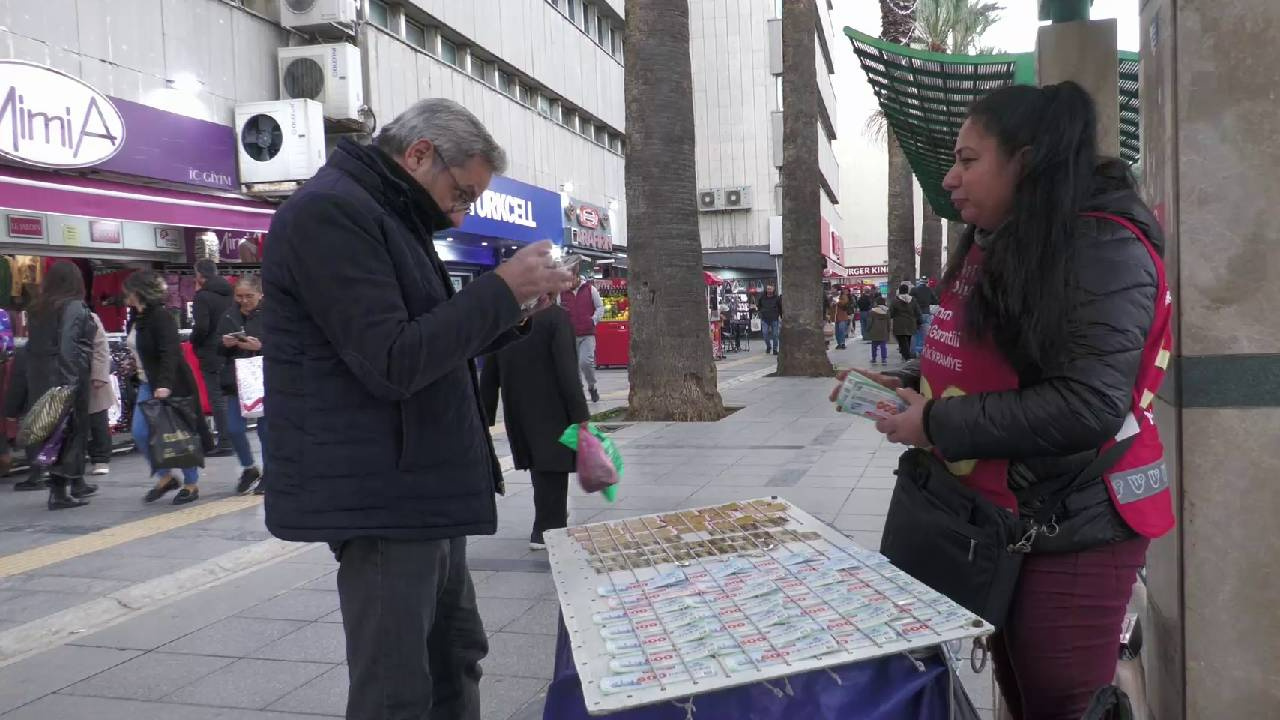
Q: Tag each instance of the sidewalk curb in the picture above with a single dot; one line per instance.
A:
(58, 628)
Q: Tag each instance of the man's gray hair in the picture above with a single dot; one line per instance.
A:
(454, 130)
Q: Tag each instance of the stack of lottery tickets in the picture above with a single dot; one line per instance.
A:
(866, 398)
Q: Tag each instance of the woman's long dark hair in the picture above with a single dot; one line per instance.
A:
(1022, 297)
(62, 284)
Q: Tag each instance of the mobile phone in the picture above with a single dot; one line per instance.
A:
(238, 335)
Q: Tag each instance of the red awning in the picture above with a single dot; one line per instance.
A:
(710, 279)
(42, 192)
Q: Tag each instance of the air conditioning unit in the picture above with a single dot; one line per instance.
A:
(313, 14)
(737, 198)
(329, 74)
(279, 140)
(709, 200)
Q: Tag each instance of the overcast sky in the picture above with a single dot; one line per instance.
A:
(863, 164)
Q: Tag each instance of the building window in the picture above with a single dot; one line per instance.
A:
(616, 42)
(524, 95)
(573, 11)
(379, 14)
(415, 34)
(778, 87)
(481, 70)
(602, 31)
(449, 53)
(557, 111)
(544, 105)
(433, 42)
(504, 83)
(571, 120)
(777, 198)
(615, 144)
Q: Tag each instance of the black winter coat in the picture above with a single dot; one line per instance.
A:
(376, 423)
(1053, 426)
(60, 352)
(233, 322)
(904, 316)
(541, 393)
(211, 303)
(770, 308)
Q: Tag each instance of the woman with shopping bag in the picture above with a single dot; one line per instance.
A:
(59, 355)
(241, 331)
(167, 392)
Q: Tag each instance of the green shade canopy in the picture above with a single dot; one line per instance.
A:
(926, 96)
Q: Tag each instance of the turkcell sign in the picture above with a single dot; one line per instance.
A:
(51, 119)
(512, 210)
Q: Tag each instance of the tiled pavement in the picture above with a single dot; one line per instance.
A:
(267, 644)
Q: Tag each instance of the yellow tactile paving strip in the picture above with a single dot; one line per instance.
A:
(57, 552)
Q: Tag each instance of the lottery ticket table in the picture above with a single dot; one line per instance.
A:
(774, 614)
(891, 688)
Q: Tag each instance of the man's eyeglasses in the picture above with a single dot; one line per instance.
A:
(463, 197)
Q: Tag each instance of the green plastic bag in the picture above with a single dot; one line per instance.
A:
(569, 438)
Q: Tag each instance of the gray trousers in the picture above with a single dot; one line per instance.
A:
(414, 634)
(587, 359)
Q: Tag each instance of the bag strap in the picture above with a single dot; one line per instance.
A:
(1057, 493)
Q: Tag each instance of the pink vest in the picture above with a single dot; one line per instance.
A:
(581, 309)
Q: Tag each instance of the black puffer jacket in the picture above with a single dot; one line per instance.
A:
(1053, 426)
(233, 322)
(211, 303)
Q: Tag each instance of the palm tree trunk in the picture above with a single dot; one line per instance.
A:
(672, 373)
(902, 226)
(930, 243)
(955, 234)
(804, 349)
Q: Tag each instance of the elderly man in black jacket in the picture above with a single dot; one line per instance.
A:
(379, 443)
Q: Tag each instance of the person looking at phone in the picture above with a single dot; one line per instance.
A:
(242, 334)
(586, 310)
(379, 444)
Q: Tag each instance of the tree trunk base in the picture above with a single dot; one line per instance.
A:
(679, 401)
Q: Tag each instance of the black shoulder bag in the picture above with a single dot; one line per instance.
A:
(959, 543)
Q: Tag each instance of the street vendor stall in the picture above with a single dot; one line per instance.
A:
(613, 333)
(718, 609)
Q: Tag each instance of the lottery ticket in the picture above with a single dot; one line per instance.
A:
(660, 659)
(695, 670)
(809, 646)
(865, 398)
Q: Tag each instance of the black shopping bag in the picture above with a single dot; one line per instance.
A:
(175, 437)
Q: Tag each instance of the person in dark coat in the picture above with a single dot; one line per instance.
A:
(865, 303)
(1058, 303)
(905, 315)
(379, 444)
(242, 335)
(770, 306)
(213, 300)
(164, 373)
(541, 396)
(60, 353)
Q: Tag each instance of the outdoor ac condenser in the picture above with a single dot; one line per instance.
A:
(279, 140)
(330, 74)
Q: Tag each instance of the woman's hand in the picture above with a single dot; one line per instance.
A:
(888, 381)
(162, 393)
(252, 344)
(907, 427)
(229, 341)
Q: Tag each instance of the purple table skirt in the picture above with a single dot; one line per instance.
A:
(890, 688)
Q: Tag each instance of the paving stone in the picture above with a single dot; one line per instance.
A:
(148, 677)
(520, 585)
(497, 613)
(317, 642)
(234, 637)
(541, 619)
(325, 695)
(520, 655)
(501, 696)
(867, 502)
(306, 605)
(252, 684)
(73, 707)
(39, 675)
(26, 605)
(869, 523)
(328, 581)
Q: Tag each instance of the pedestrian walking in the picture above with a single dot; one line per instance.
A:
(905, 314)
(378, 441)
(586, 310)
(841, 310)
(865, 303)
(541, 396)
(877, 332)
(927, 300)
(163, 373)
(60, 353)
(212, 301)
(102, 397)
(771, 319)
(1058, 307)
(242, 334)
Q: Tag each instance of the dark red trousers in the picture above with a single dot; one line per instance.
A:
(1062, 639)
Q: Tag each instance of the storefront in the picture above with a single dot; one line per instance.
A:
(613, 334)
(588, 231)
(112, 186)
(507, 216)
(873, 277)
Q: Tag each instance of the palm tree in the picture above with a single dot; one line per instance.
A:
(947, 26)
(672, 373)
(804, 350)
(897, 24)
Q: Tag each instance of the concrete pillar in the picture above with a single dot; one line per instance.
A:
(1211, 170)
(1085, 52)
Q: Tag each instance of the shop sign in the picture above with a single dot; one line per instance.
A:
(587, 226)
(868, 270)
(168, 238)
(513, 210)
(26, 227)
(105, 231)
(51, 119)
